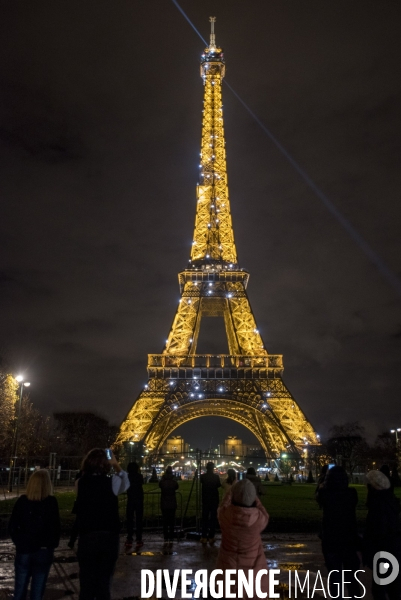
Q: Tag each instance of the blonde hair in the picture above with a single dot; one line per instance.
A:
(39, 485)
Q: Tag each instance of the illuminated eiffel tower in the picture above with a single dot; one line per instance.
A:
(246, 385)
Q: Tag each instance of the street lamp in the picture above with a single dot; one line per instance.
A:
(396, 431)
(13, 458)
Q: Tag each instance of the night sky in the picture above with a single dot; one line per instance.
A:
(100, 110)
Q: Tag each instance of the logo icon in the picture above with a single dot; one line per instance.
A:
(385, 568)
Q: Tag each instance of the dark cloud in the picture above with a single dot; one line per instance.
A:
(100, 125)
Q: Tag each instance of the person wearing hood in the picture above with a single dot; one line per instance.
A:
(382, 531)
(242, 518)
(168, 504)
(253, 478)
(339, 529)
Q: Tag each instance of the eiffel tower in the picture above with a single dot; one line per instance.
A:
(245, 385)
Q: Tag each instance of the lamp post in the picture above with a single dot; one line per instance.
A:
(13, 459)
(396, 431)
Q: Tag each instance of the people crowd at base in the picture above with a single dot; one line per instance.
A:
(35, 524)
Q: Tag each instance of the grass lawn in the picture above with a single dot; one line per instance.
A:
(292, 508)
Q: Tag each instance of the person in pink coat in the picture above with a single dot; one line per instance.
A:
(242, 518)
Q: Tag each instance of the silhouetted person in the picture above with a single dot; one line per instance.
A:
(98, 523)
(395, 478)
(154, 478)
(321, 480)
(322, 475)
(210, 501)
(382, 530)
(339, 529)
(134, 505)
(168, 504)
(385, 469)
(230, 481)
(255, 479)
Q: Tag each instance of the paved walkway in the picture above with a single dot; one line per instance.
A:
(285, 552)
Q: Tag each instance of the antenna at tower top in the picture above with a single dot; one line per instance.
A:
(212, 36)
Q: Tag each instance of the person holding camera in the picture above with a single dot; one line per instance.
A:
(98, 522)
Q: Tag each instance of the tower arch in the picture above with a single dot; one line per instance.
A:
(265, 432)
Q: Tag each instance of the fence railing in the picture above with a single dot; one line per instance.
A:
(20, 477)
(152, 515)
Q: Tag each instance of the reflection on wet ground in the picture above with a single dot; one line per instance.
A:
(288, 552)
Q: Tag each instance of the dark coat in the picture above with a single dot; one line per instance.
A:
(168, 486)
(339, 525)
(35, 524)
(210, 489)
(135, 490)
(97, 505)
(382, 530)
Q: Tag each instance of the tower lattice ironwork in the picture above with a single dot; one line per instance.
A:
(245, 385)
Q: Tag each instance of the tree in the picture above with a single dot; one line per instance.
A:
(316, 456)
(285, 467)
(8, 399)
(384, 449)
(33, 429)
(79, 432)
(34, 433)
(349, 447)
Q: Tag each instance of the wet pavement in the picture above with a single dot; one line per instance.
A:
(287, 552)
